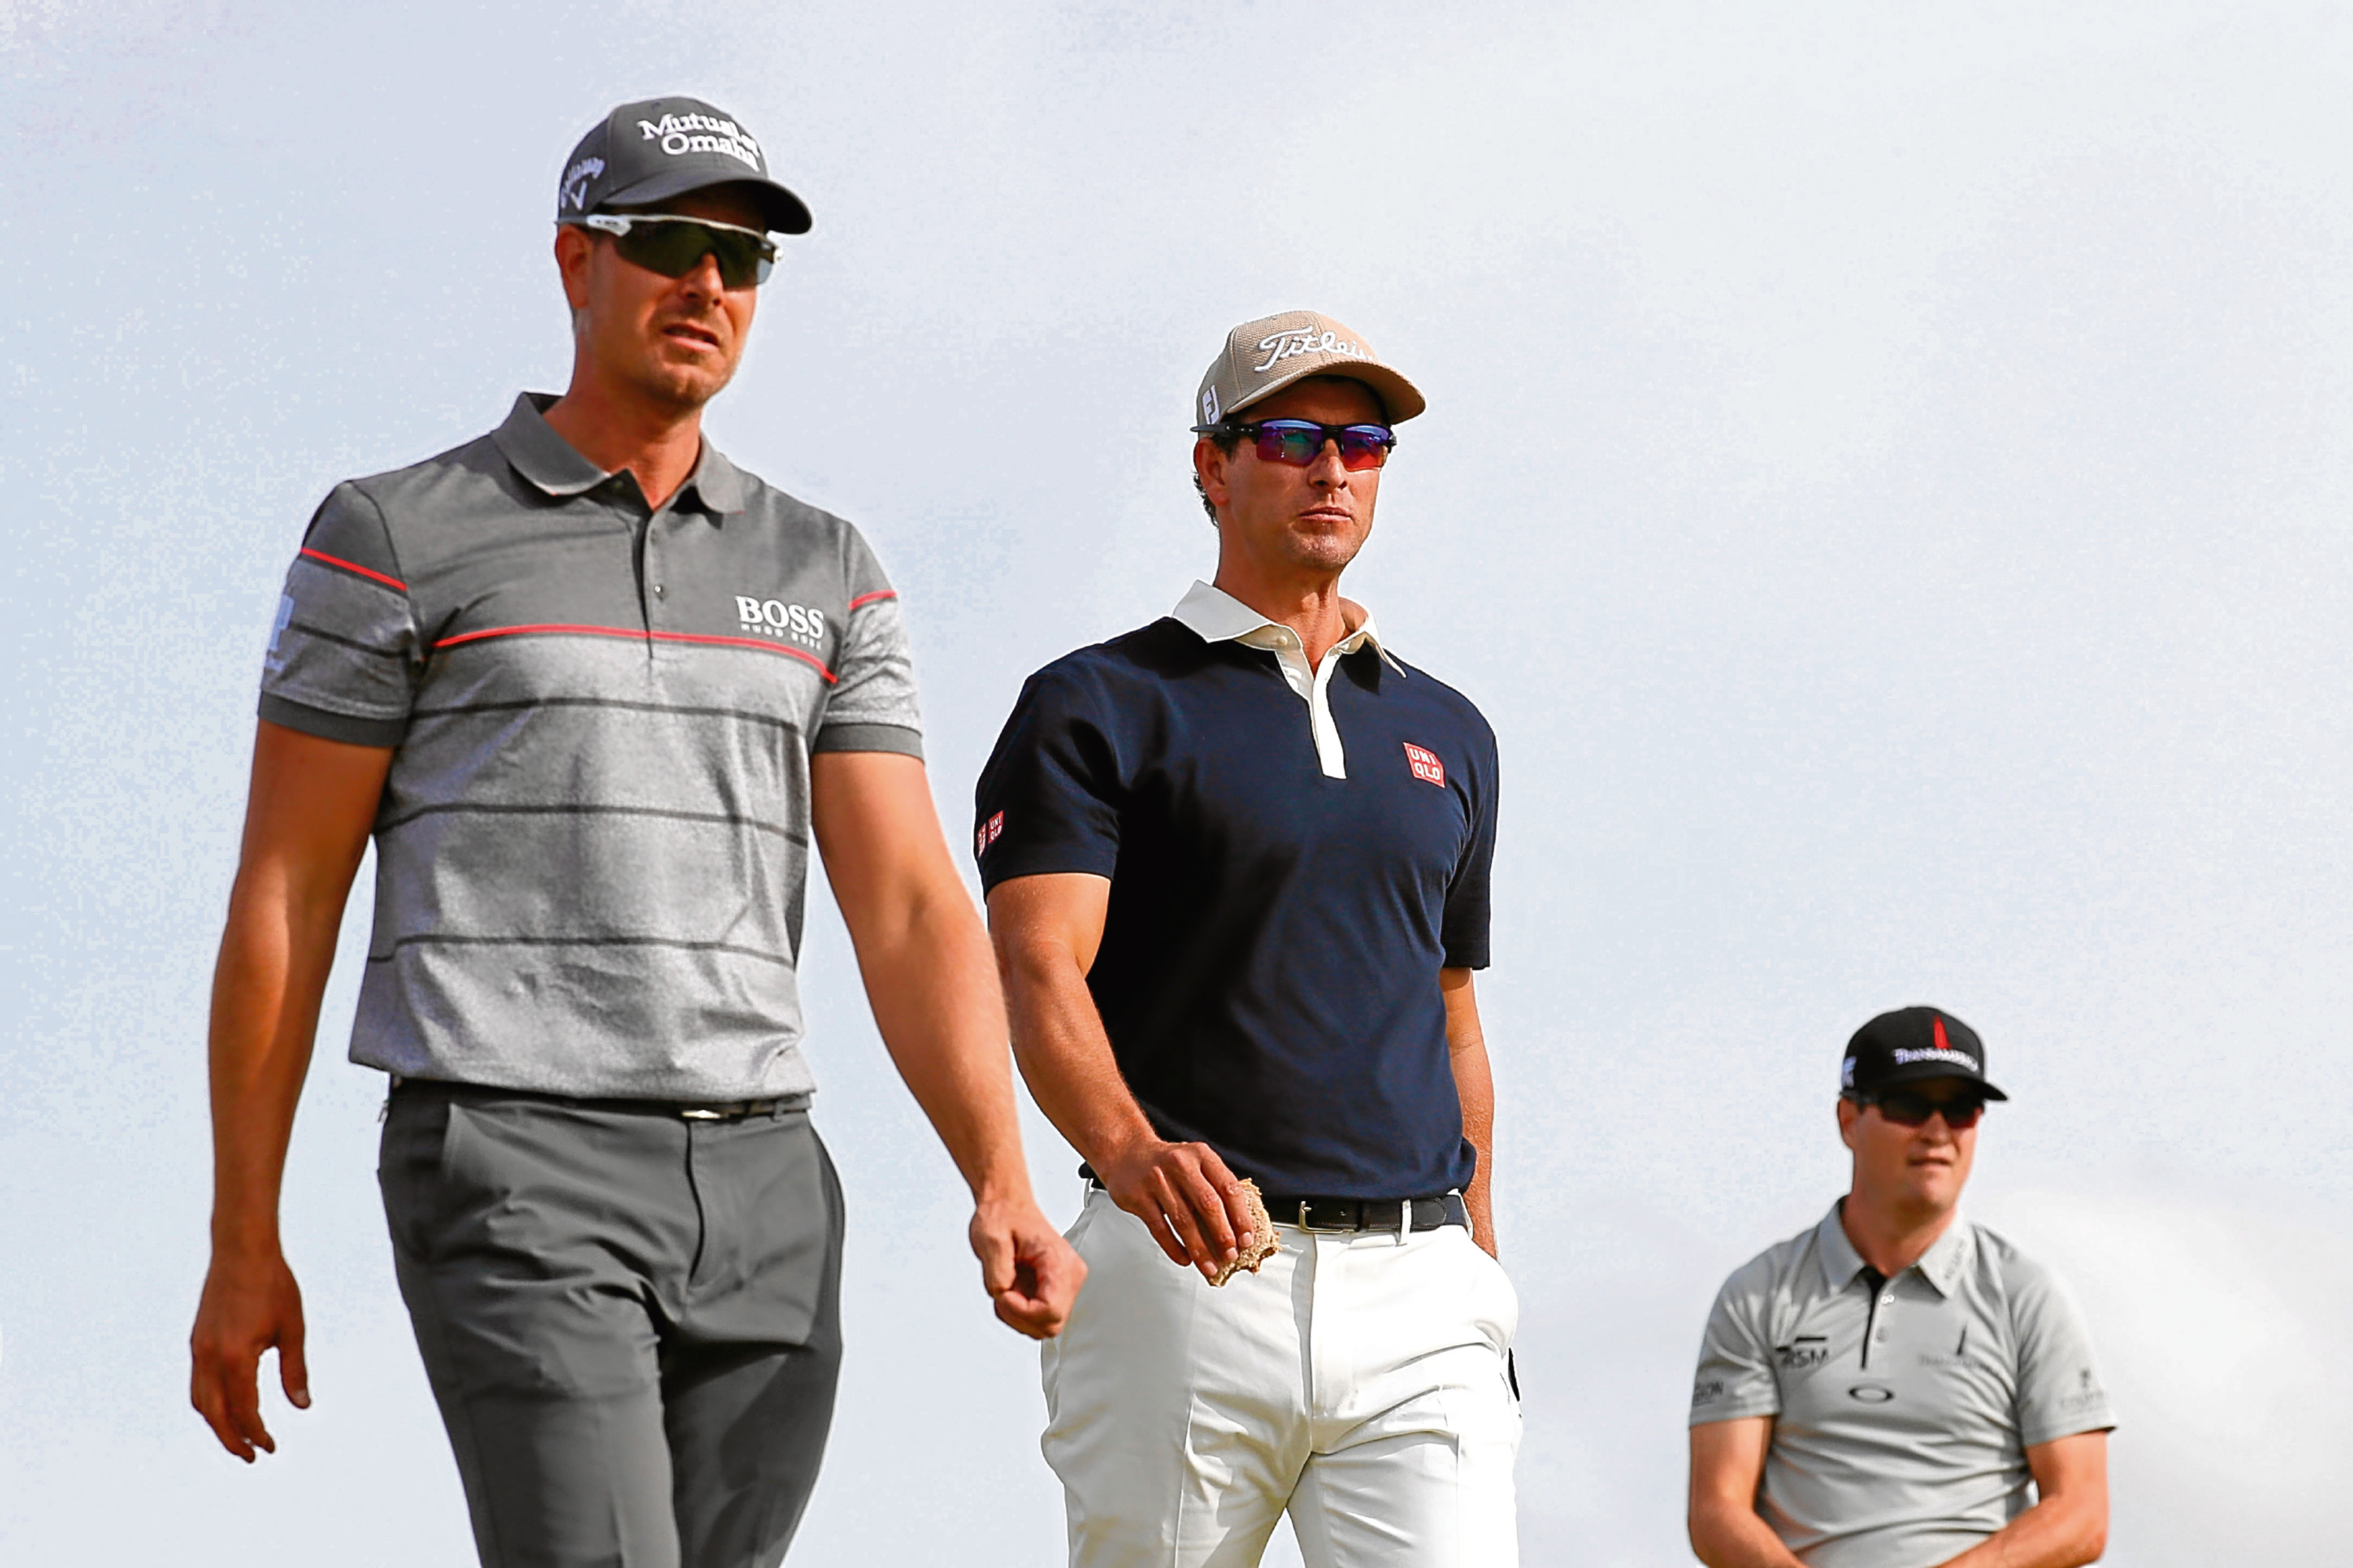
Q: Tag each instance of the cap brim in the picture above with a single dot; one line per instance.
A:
(1401, 398)
(782, 212)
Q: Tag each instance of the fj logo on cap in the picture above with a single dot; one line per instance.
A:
(700, 133)
(1209, 405)
(1425, 764)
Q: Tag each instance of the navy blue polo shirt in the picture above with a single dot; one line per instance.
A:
(1287, 879)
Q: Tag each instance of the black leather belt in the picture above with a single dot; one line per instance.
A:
(1367, 1213)
(720, 1110)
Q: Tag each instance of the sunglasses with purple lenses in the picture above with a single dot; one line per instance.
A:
(1905, 1108)
(1300, 442)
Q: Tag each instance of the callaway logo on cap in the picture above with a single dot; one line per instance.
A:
(1263, 356)
(1911, 1044)
(648, 152)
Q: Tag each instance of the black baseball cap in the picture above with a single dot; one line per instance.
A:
(1911, 1044)
(662, 147)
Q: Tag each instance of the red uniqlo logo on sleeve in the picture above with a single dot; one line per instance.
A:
(1425, 764)
(987, 833)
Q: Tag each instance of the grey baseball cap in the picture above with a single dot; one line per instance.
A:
(662, 147)
(1263, 356)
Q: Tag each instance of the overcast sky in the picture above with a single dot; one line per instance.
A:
(1887, 479)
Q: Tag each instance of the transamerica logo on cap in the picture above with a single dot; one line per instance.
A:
(1941, 1052)
(700, 133)
(1283, 346)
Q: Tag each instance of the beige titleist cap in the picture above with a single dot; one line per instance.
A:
(1263, 356)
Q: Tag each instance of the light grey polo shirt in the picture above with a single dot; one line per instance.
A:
(592, 843)
(1902, 1417)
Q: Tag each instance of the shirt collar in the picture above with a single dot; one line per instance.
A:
(555, 465)
(1940, 1265)
(1216, 616)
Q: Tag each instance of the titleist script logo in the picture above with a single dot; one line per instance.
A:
(1283, 346)
(987, 833)
(1425, 764)
(575, 181)
(700, 133)
(774, 618)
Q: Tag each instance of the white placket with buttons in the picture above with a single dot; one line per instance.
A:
(1217, 616)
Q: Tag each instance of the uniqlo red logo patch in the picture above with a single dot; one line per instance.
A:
(1425, 764)
(987, 833)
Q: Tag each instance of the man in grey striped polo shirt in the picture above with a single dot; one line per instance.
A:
(1881, 1390)
(593, 690)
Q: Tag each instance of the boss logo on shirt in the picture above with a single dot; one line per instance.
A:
(774, 618)
(1425, 764)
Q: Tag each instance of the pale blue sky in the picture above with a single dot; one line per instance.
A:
(1887, 479)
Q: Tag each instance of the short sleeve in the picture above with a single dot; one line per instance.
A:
(1463, 924)
(343, 659)
(872, 704)
(2059, 1388)
(1736, 1376)
(1049, 801)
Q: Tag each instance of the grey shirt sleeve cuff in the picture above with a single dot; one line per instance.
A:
(870, 737)
(351, 731)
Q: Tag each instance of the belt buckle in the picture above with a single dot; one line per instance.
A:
(700, 1113)
(1307, 1225)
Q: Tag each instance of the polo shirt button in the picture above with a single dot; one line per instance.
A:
(659, 591)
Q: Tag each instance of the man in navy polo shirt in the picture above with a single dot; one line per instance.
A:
(1237, 865)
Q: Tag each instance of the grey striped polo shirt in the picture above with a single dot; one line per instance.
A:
(592, 846)
(1901, 1415)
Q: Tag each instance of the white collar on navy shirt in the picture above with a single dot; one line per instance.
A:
(1216, 616)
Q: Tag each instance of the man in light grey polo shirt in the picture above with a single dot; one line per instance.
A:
(593, 691)
(1880, 1391)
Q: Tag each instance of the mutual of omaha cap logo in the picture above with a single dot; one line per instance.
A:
(1911, 1044)
(1262, 357)
(662, 147)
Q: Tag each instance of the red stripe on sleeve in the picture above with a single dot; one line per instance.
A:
(354, 567)
(866, 598)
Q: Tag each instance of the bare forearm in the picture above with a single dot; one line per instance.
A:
(932, 984)
(1474, 1087)
(275, 953)
(1727, 1535)
(1065, 1056)
(2057, 1532)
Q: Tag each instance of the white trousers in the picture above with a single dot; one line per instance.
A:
(1357, 1379)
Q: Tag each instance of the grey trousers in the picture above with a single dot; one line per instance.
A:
(631, 1320)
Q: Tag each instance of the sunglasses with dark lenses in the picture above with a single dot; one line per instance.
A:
(1905, 1108)
(674, 247)
(1301, 442)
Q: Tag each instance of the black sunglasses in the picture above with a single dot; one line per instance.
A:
(1301, 442)
(674, 247)
(1906, 1107)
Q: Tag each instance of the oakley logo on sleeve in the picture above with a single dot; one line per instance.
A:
(774, 618)
(1425, 764)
